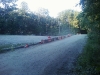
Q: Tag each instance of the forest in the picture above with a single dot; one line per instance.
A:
(22, 21)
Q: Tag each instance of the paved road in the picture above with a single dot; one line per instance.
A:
(46, 59)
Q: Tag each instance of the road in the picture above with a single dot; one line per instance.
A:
(45, 59)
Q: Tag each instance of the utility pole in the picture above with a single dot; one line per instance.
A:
(59, 27)
(59, 24)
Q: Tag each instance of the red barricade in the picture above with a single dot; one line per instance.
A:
(49, 39)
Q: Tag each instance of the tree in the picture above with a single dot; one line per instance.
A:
(22, 21)
(8, 3)
(91, 13)
(7, 7)
(24, 7)
(89, 18)
(43, 12)
(68, 19)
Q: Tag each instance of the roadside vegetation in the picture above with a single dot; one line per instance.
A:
(89, 61)
(10, 47)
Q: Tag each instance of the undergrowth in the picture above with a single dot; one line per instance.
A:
(89, 61)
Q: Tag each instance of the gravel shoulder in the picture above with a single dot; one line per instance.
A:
(54, 58)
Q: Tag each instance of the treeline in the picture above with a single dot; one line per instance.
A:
(21, 21)
(17, 22)
(89, 61)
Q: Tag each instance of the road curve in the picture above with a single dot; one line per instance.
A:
(46, 59)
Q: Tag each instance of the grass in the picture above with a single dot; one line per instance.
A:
(89, 61)
(9, 46)
(5, 46)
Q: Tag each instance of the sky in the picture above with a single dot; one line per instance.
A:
(54, 6)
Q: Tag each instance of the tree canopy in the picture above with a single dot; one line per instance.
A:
(22, 21)
(89, 19)
(68, 19)
(91, 15)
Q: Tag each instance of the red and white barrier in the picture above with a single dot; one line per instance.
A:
(26, 46)
(49, 39)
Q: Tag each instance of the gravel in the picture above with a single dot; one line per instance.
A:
(55, 58)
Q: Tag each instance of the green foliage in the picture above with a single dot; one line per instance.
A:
(91, 14)
(68, 19)
(89, 61)
(22, 21)
(4, 47)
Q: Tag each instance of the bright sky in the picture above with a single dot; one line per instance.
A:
(54, 6)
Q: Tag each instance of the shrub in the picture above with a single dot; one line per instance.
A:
(89, 61)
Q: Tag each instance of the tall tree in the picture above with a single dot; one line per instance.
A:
(24, 7)
(91, 13)
(68, 19)
(43, 12)
(7, 7)
(90, 19)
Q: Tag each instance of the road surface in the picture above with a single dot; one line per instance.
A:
(55, 58)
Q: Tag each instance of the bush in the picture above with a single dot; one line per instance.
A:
(89, 61)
